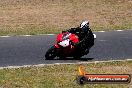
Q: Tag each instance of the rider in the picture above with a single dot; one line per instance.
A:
(85, 36)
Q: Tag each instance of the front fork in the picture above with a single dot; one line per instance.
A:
(57, 46)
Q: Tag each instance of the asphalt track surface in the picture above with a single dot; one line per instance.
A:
(30, 50)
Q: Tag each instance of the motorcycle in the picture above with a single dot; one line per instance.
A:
(64, 47)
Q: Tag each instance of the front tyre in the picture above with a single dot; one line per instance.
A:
(51, 53)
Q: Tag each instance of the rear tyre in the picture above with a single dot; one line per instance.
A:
(51, 53)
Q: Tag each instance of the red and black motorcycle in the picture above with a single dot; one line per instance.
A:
(64, 47)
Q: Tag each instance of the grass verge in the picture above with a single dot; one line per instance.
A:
(61, 76)
(33, 17)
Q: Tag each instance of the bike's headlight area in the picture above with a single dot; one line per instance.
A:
(64, 43)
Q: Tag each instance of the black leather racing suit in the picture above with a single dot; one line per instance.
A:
(86, 39)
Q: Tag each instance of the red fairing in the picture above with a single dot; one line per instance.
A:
(69, 49)
(57, 46)
(59, 37)
(74, 38)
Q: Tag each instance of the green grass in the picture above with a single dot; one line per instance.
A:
(27, 30)
(61, 76)
(39, 17)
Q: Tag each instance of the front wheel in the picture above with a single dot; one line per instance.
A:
(51, 53)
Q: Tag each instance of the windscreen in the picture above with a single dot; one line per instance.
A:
(66, 36)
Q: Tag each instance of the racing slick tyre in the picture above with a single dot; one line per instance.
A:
(51, 53)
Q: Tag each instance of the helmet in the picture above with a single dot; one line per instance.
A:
(84, 25)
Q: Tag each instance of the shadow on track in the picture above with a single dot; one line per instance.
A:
(81, 59)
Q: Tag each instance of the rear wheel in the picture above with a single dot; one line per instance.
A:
(51, 53)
